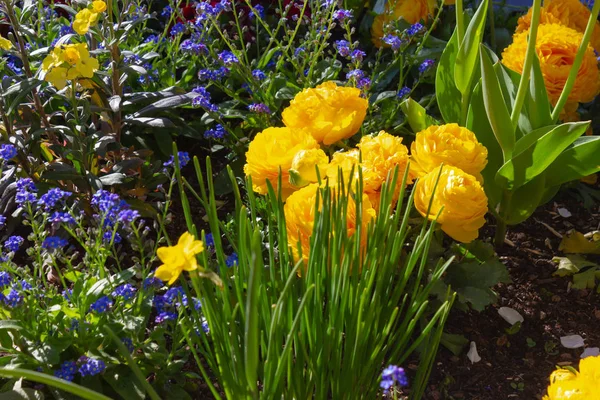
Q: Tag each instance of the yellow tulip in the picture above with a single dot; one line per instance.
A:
(304, 167)
(178, 258)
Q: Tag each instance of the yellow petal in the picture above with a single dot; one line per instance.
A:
(165, 273)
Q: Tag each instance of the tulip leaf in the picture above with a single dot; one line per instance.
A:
(466, 59)
(416, 115)
(536, 154)
(525, 200)
(485, 134)
(579, 160)
(447, 94)
(538, 105)
(496, 107)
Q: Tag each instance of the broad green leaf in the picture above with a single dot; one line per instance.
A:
(538, 105)
(466, 58)
(533, 158)
(571, 264)
(416, 115)
(480, 125)
(586, 279)
(10, 324)
(525, 200)
(495, 107)
(447, 95)
(581, 159)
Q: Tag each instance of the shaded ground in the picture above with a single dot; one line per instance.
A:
(518, 365)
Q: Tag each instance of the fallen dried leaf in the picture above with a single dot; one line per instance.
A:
(575, 242)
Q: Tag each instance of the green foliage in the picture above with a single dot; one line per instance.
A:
(330, 323)
(529, 155)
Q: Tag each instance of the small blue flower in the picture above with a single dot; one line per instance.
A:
(393, 41)
(13, 243)
(53, 197)
(218, 132)
(54, 243)
(126, 217)
(152, 282)
(356, 74)
(209, 240)
(126, 291)
(392, 375)
(364, 83)
(260, 9)
(58, 217)
(174, 294)
(67, 371)
(92, 367)
(258, 75)
(357, 55)
(426, 66)
(259, 108)
(341, 15)
(404, 92)
(228, 58)
(232, 260)
(22, 285)
(7, 151)
(184, 159)
(178, 29)
(2, 220)
(5, 279)
(166, 12)
(343, 47)
(13, 298)
(101, 305)
(414, 29)
(108, 236)
(165, 316)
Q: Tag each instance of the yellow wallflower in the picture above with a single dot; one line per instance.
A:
(178, 258)
(300, 209)
(98, 6)
(304, 167)
(556, 47)
(569, 385)
(411, 11)
(460, 195)
(69, 62)
(329, 112)
(571, 13)
(272, 151)
(5, 44)
(84, 20)
(448, 144)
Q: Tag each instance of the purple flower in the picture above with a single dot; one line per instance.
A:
(414, 29)
(343, 47)
(58, 217)
(393, 41)
(404, 92)
(67, 371)
(13, 243)
(259, 108)
(2, 220)
(108, 237)
(357, 55)
(228, 58)
(101, 305)
(209, 240)
(152, 282)
(364, 83)
(53, 197)
(7, 151)
(126, 291)
(218, 132)
(356, 74)
(341, 15)
(92, 367)
(166, 12)
(425, 66)
(128, 343)
(393, 375)
(260, 9)
(54, 243)
(5, 279)
(258, 75)
(126, 217)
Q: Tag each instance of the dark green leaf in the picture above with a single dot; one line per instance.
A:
(581, 159)
(447, 94)
(466, 59)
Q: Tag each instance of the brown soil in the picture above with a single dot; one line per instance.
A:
(518, 365)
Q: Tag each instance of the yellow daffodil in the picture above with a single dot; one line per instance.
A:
(178, 258)
(5, 44)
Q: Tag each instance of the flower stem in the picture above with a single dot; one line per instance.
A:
(460, 21)
(587, 36)
(524, 82)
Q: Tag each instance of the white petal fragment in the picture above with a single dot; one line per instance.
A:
(472, 354)
(510, 315)
(572, 341)
(591, 352)
(564, 212)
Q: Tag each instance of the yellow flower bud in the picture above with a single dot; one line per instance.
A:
(448, 144)
(556, 47)
(329, 112)
(271, 153)
(98, 6)
(459, 197)
(304, 167)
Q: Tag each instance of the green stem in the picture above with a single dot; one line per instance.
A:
(583, 47)
(501, 225)
(460, 21)
(524, 83)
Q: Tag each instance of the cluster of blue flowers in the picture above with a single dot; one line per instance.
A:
(426, 66)
(52, 198)
(113, 210)
(232, 260)
(360, 78)
(342, 15)
(184, 159)
(67, 371)
(167, 304)
(202, 99)
(391, 376)
(26, 191)
(218, 132)
(7, 151)
(101, 305)
(151, 74)
(54, 243)
(259, 9)
(13, 243)
(228, 58)
(404, 92)
(126, 291)
(91, 366)
(259, 108)
(214, 75)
